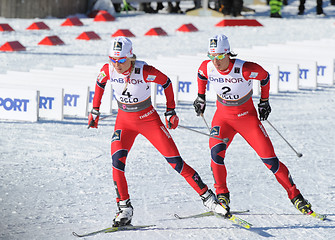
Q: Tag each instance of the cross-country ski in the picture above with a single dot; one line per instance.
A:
(113, 229)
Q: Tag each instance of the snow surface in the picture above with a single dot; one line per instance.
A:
(56, 176)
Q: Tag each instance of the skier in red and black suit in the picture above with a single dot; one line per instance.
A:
(231, 79)
(131, 80)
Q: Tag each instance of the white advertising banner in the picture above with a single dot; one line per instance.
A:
(187, 88)
(75, 95)
(288, 77)
(187, 75)
(19, 104)
(307, 72)
(273, 70)
(51, 100)
(51, 103)
(324, 58)
(76, 101)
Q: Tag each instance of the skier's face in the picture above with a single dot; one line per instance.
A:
(220, 60)
(120, 64)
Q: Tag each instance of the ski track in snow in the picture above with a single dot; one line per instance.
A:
(55, 177)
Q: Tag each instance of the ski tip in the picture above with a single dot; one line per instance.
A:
(319, 216)
(177, 216)
(75, 234)
(323, 217)
(239, 221)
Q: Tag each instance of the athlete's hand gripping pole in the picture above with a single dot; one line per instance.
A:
(200, 104)
(171, 118)
(93, 118)
(264, 109)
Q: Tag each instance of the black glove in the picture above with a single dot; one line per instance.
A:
(200, 104)
(264, 109)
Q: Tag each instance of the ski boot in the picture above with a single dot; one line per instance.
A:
(124, 215)
(209, 200)
(223, 198)
(302, 204)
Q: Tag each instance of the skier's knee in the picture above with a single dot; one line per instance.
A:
(271, 163)
(218, 153)
(176, 162)
(116, 159)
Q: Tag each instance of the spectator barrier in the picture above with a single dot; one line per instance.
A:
(324, 58)
(19, 104)
(69, 91)
(75, 96)
(51, 100)
(288, 72)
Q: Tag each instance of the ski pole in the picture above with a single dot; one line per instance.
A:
(297, 153)
(225, 140)
(202, 115)
(108, 116)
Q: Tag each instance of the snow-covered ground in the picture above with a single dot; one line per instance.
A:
(56, 176)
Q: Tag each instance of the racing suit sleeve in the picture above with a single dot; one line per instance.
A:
(251, 70)
(100, 86)
(151, 74)
(202, 77)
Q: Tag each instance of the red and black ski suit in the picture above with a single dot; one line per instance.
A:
(136, 115)
(236, 113)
